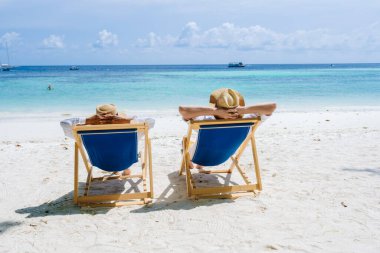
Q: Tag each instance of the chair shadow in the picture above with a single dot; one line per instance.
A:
(374, 171)
(174, 197)
(115, 186)
(5, 225)
(64, 205)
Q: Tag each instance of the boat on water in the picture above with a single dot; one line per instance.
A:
(74, 68)
(236, 65)
(6, 66)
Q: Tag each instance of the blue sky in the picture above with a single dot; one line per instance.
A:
(46, 32)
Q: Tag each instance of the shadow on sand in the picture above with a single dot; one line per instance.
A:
(374, 171)
(63, 205)
(174, 197)
(5, 225)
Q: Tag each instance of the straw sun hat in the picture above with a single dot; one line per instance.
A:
(106, 109)
(226, 98)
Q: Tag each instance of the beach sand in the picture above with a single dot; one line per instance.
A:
(321, 192)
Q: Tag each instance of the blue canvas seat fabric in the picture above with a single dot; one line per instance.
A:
(217, 143)
(111, 150)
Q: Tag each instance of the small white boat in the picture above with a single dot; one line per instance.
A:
(6, 66)
(74, 68)
(236, 65)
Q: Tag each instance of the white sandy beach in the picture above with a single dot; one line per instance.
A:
(321, 192)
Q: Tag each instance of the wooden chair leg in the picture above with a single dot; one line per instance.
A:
(88, 182)
(150, 168)
(187, 172)
(182, 167)
(232, 166)
(256, 162)
(183, 163)
(188, 183)
(76, 163)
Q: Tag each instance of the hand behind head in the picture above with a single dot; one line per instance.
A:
(221, 113)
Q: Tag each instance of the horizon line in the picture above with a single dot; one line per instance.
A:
(199, 64)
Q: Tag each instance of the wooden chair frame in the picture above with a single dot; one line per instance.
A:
(112, 199)
(224, 191)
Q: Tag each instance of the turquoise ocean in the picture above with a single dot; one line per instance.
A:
(164, 87)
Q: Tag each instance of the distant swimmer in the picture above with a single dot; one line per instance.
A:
(50, 87)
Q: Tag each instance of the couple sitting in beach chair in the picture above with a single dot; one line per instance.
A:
(109, 141)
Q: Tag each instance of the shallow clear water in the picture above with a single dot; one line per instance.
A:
(24, 89)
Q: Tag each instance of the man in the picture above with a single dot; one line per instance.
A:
(225, 104)
(105, 114)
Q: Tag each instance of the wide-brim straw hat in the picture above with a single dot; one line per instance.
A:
(106, 109)
(226, 98)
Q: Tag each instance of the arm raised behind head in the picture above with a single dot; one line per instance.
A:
(190, 112)
(261, 109)
(107, 119)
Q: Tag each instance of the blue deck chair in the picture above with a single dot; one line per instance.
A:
(217, 142)
(112, 148)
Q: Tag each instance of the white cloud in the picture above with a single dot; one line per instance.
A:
(153, 40)
(368, 38)
(53, 41)
(189, 35)
(260, 38)
(228, 35)
(106, 39)
(9, 38)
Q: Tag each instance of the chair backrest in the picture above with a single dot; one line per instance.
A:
(217, 143)
(111, 150)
